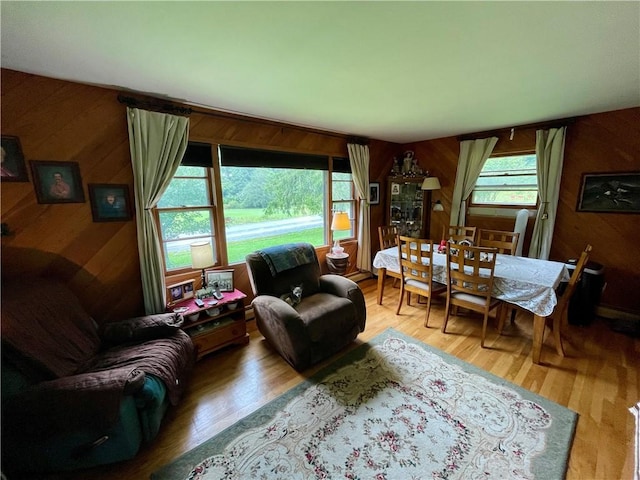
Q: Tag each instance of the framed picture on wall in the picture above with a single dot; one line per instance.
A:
(110, 202)
(12, 167)
(610, 192)
(57, 182)
(374, 193)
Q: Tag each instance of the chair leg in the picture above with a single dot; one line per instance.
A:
(484, 328)
(400, 299)
(446, 315)
(557, 335)
(426, 318)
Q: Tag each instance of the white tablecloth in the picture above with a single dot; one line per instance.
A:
(527, 282)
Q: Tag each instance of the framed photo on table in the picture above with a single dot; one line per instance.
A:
(224, 279)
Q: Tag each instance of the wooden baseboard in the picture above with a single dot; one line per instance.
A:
(616, 314)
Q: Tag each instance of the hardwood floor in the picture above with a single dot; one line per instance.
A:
(599, 379)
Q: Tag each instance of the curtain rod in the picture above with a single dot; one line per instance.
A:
(530, 126)
(158, 105)
(155, 105)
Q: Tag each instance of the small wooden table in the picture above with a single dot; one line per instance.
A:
(213, 327)
(337, 263)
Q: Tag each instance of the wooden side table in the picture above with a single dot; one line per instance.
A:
(337, 263)
(213, 327)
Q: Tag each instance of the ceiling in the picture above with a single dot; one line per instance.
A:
(395, 71)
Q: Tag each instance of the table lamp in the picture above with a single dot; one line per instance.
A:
(202, 257)
(431, 183)
(340, 222)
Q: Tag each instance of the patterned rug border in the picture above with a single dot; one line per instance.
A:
(560, 436)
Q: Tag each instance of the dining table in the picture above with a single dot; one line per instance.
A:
(528, 283)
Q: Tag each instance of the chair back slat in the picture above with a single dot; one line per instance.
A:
(471, 269)
(388, 235)
(505, 242)
(458, 233)
(416, 259)
(573, 281)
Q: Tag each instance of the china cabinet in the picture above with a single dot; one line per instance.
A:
(407, 205)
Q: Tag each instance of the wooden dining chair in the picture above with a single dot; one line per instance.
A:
(470, 282)
(388, 235)
(505, 242)
(457, 233)
(558, 319)
(416, 270)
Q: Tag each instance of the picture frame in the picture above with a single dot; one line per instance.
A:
(224, 278)
(610, 192)
(57, 182)
(12, 165)
(180, 291)
(395, 189)
(110, 202)
(374, 193)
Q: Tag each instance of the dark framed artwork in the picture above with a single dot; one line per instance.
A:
(110, 202)
(610, 192)
(374, 193)
(57, 182)
(224, 279)
(12, 166)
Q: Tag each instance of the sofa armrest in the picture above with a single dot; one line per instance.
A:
(85, 401)
(346, 288)
(139, 329)
(271, 308)
(283, 327)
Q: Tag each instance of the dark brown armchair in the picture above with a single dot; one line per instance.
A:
(330, 314)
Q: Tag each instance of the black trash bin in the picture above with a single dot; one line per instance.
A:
(586, 297)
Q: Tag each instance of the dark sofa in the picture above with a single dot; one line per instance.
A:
(76, 395)
(329, 316)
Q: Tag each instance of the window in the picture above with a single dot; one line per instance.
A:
(343, 200)
(185, 213)
(507, 181)
(272, 198)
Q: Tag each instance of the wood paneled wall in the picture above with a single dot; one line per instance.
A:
(604, 142)
(65, 121)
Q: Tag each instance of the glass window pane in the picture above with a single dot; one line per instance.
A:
(179, 229)
(271, 206)
(507, 181)
(505, 197)
(185, 192)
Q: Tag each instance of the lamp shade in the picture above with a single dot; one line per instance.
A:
(341, 221)
(201, 255)
(431, 183)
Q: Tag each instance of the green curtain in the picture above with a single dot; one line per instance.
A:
(549, 160)
(473, 155)
(359, 159)
(157, 142)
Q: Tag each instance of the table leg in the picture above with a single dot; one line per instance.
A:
(538, 335)
(382, 275)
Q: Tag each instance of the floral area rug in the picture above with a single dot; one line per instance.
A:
(393, 408)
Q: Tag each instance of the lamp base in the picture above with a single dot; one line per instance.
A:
(337, 249)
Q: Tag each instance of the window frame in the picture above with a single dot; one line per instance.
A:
(478, 207)
(211, 207)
